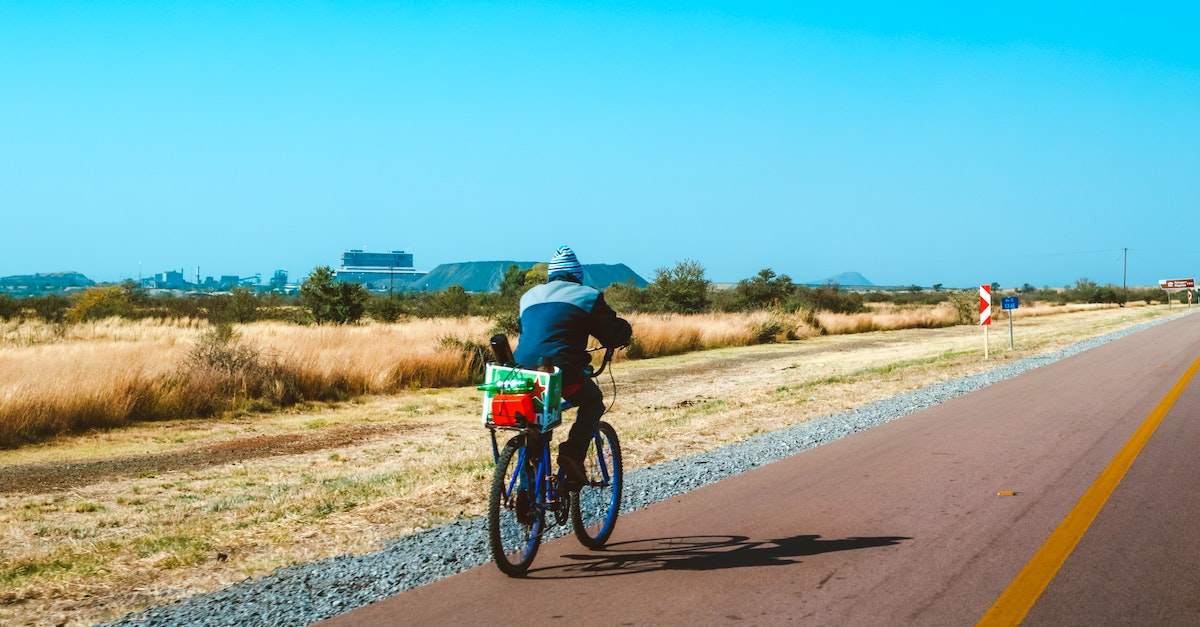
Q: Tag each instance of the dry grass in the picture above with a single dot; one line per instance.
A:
(661, 335)
(56, 379)
(887, 317)
(97, 551)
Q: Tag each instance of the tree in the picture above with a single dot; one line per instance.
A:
(332, 301)
(764, 290)
(681, 289)
(514, 280)
(454, 302)
(627, 297)
(537, 274)
(101, 302)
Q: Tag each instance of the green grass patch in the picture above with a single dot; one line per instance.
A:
(179, 549)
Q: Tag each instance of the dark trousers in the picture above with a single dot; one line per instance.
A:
(590, 401)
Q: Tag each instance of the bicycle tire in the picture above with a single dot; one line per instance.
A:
(594, 508)
(514, 536)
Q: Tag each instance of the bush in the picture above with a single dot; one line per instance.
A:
(389, 309)
(9, 307)
(826, 298)
(98, 303)
(236, 369)
(763, 291)
(681, 289)
(333, 301)
(965, 304)
(627, 297)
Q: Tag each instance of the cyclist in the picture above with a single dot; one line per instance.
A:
(555, 321)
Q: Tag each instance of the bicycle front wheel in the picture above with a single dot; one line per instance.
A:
(595, 506)
(515, 520)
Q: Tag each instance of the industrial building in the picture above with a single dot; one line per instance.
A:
(380, 271)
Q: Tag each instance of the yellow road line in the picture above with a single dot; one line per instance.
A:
(1023, 592)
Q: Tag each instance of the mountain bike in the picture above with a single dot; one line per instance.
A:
(528, 494)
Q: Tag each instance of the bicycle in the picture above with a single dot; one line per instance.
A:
(528, 495)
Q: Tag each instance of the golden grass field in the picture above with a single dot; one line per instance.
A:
(159, 510)
(58, 380)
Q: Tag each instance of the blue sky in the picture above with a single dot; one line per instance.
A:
(916, 143)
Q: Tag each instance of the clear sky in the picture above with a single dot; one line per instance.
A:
(917, 143)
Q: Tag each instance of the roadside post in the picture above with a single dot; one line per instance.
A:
(1009, 304)
(1177, 285)
(985, 314)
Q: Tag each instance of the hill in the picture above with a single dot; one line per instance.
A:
(43, 283)
(486, 276)
(845, 279)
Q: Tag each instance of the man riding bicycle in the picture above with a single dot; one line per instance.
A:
(555, 321)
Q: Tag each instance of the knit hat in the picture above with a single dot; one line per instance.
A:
(564, 262)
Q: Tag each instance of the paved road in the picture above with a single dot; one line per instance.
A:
(902, 524)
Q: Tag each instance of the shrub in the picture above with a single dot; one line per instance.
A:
(627, 297)
(332, 301)
(389, 309)
(9, 307)
(508, 323)
(965, 304)
(763, 291)
(98, 303)
(680, 289)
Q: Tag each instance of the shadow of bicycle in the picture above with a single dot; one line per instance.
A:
(702, 553)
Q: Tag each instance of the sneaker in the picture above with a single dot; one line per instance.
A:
(575, 476)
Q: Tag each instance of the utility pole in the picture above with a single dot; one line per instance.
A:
(1125, 275)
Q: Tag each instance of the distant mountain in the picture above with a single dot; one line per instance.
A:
(486, 276)
(48, 282)
(845, 279)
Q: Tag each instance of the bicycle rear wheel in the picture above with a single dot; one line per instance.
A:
(515, 521)
(595, 506)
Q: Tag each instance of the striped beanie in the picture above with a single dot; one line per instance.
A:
(565, 263)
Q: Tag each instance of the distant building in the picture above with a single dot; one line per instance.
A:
(169, 280)
(172, 280)
(379, 271)
(279, 281)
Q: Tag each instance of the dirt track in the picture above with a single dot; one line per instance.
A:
(49, 476)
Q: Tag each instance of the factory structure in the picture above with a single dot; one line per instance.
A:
(388, 272)
(378, 271)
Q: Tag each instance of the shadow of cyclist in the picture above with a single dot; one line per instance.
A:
(703, 553)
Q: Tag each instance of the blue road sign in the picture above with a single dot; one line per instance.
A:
(1008, 302)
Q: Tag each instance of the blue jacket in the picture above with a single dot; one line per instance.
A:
(556, 320)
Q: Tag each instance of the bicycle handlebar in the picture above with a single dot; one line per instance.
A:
(608, 355)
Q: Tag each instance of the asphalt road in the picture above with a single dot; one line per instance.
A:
(904, 524)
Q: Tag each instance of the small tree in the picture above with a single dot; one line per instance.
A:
(537, 274)
(763, 291)
(101, 302)
(626, 297)
(332, 301)
(454, 302)
(514, 280)
(965, 304)
(244, 305)
(681, 289)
